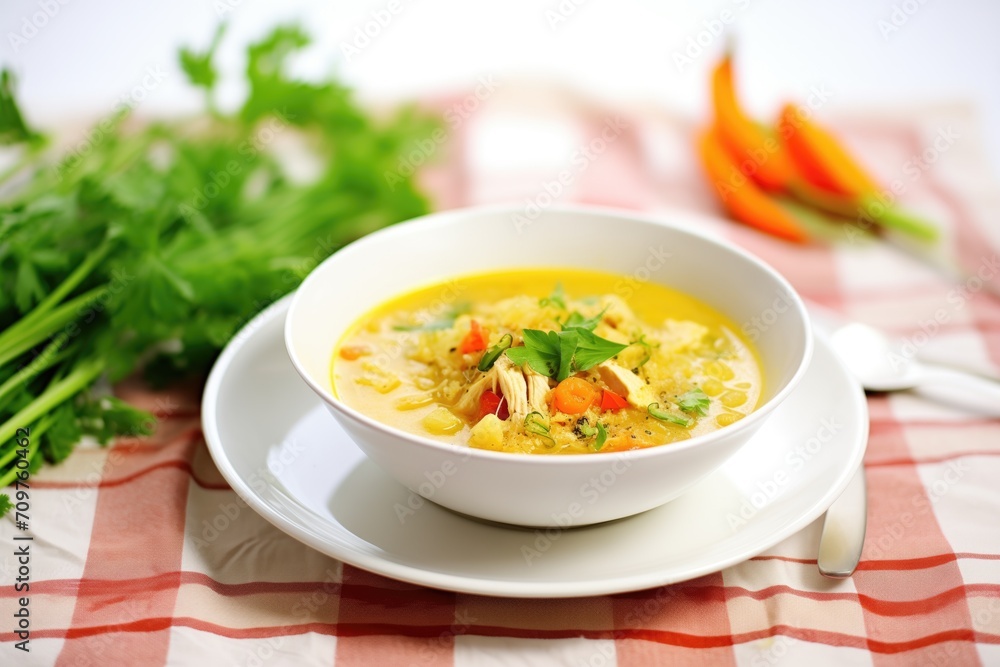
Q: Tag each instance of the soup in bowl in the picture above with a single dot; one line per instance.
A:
(584, 367)
(548, 361)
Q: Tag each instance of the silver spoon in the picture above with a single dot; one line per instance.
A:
(844, 526)
(880, 367)
(872, 359)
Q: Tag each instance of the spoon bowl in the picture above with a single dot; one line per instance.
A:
(880, 366)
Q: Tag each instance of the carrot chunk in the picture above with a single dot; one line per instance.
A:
(574, 395)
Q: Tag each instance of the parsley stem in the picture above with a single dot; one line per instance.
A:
(68, 285)
(55, 394)
(50, 355)
(43, 328)
(36, 431)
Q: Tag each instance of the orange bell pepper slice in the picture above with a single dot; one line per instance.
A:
(612, 401)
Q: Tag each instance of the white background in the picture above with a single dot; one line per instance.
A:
(88, 54)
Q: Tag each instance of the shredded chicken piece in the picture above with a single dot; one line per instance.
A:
(513, 386)
(469, 402)
(538, 388)
(625, 383)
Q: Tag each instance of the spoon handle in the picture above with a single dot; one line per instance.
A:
(962, 389)
(843, 535)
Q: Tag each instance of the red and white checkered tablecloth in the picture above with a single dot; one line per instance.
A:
(118, 577)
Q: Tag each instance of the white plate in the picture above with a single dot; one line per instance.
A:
(289, 460)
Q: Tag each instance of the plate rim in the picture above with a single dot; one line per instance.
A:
(371, 562)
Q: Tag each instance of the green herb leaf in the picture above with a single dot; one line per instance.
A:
(61, 437)
(5, 504)
(602, 437)
(655, 411)
(578, 321)
(12, 126)
(557, 298)
(445, 321)
(491, 355)
(168, 237)
(569, 341)
(559, 355)
(541, 351)
(593, 350)
(695, 401)
(584, 428)
(29, 289)
(198, 67)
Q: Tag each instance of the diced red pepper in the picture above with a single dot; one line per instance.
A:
(475, 341)
(491, 403)
(612, 401)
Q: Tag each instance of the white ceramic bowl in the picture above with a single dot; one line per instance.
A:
(534, 490)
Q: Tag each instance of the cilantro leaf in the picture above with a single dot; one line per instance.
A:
(695, 401)
(569, 341)
(164, 239)
(61, 437)
(115, 417)
(578, 321)
(557, 298)
(5, 504)
(593, 350)
(198, 67)
(541, 351)
(560, 354)
(12, 126)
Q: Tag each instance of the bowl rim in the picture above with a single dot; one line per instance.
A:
(663, 219)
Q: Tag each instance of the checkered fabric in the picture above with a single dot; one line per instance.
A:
(119, 576)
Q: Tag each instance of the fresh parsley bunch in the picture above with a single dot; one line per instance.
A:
(155, 244)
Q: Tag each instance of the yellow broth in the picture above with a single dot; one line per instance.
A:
(403, 364)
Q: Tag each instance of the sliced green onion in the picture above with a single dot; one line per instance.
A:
(492, 354)
(655, 411)
(535, 424)
(645, 344)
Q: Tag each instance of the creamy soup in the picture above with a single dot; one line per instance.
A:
(548, 361)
